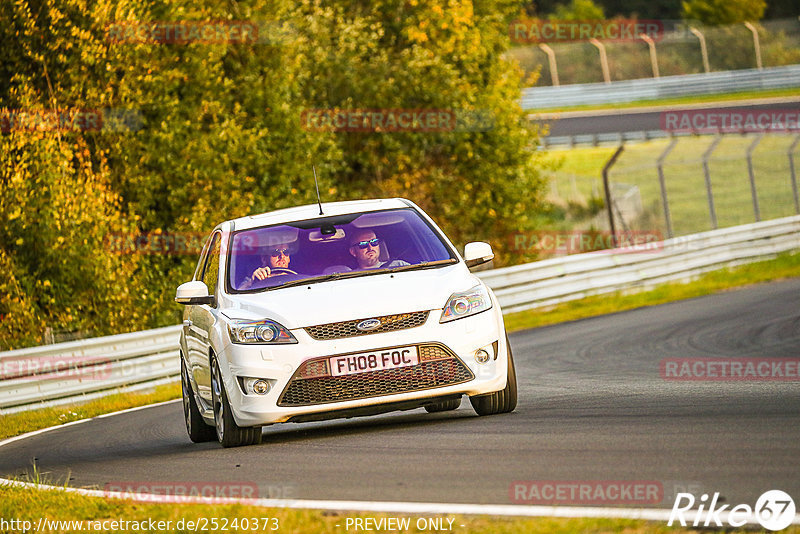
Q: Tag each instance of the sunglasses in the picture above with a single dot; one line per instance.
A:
(374, 242)
(278, 251)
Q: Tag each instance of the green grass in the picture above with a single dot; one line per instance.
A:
(783, 267)
(19, 423)
(677, 101)
(30, 504)
(580, 176)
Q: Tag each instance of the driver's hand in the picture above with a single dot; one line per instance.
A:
(261, 273)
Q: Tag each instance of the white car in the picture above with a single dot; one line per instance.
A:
(337, 310)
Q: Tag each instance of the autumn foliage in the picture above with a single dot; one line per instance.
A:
(212, 130)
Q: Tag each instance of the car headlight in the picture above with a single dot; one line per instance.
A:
(466, 303)
(261, 332)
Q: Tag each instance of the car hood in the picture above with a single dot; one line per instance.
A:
(353, 298)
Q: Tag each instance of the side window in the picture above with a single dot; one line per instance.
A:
(211, 272)
(198, 271)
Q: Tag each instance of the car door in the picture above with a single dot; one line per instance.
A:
(191, 346)
(201, 320)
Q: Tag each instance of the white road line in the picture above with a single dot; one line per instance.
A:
(412, 508)
(373, 506)
(71, 423)
(647, 514)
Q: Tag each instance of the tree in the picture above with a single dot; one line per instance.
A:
(220, 135)
(480, 182)
(578, 10)
(57, 205)
(719, 12)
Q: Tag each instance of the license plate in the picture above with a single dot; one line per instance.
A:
(374, 361)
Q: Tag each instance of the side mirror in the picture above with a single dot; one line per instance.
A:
(194, 292)
(477, 253)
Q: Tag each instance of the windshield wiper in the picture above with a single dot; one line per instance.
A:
(351, 274)
(410, 267)
(422, 265)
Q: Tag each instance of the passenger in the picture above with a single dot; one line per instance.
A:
(365, 247)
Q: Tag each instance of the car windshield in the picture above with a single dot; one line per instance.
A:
(316, 250)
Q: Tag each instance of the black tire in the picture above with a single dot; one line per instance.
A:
(228, 433)
(199, 431)
(444, 406)
(502, 401)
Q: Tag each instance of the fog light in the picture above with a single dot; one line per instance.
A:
(261, 387)
(481, 356)
(255, 386)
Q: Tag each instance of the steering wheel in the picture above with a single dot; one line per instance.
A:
(280, 270)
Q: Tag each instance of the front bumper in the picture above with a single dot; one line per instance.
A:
(447, 367)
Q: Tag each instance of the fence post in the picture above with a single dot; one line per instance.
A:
(707, 154)
(606, 168)
(603, 59)
(551, 58)
(664, 201)
(703, 49)
(653, 57)
(793, 176)
(750, 172)
(756, 44)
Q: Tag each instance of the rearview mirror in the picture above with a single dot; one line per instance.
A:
(194, 292)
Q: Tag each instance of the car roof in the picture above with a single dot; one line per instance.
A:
(311, 211)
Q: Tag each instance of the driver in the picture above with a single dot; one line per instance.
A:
(275, 258)
(365, 247)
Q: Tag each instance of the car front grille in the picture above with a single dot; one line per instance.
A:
(389, 323)
(313, 384)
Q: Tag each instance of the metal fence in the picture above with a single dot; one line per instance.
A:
(538, 98)
(705, 183)
(82, 370)
(683, 185)
(556, 280)
(679, 49)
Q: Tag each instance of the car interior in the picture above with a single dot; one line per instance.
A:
(322, 246)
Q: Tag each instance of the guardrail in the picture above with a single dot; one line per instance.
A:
(548, 282)
(537, 98)
(599, 139)
(82, 370)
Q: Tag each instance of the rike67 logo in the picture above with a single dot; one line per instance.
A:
(774, 510)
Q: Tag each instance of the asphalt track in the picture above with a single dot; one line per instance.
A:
(638, 120)
(592, 406)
